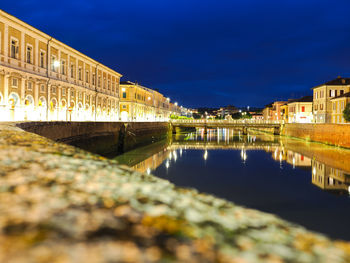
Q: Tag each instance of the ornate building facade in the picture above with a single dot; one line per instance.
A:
(42, 79)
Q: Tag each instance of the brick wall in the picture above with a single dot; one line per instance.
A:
(334, 134)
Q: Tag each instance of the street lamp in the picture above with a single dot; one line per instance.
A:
(56, 63)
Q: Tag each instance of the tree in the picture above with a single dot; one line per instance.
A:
(346, 112)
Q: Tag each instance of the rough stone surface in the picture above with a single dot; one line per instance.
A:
(61, 204)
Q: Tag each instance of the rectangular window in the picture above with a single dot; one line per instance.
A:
(108, 85)
(63, 67)
(42, 88)
(341, 92)
(331, 93)
(336, 93)
(14, 82)
(87, 76)
(14, 48)
(53, 59)
(104, 83)
(79, 73)
(63, 91)
(72, 93)
(30, 85)
(29, 54)
(124, 95)
(93, 79)
(42, 59)
(124, 106)
(99, 81)
(53, 90)
(72, 70)
(303, 109)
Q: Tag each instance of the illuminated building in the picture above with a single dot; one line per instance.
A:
(41, 78)
(322, 95)
(329, 178)
(338, 106)
(300, 110)
(138, 103)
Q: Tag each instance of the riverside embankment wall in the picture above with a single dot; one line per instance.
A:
(100, 137)
(333, 134)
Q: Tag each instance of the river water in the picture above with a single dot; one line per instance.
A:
(305, 183)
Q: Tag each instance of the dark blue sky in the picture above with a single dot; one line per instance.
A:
(205, 52)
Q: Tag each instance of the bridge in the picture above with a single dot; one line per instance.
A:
(275, 126)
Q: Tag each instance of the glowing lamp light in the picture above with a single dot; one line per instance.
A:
(123, 89)
(56, 63)
(149, 98)
(175, 103)
(168, 99)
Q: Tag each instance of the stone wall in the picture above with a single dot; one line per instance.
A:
(333, 134)
(62, 204)
(100, 137)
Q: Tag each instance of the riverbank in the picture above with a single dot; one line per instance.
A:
(328, 133)
(104, 138)
(62, 204)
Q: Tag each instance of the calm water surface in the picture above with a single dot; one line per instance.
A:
(305, 183)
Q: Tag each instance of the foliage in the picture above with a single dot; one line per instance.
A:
(176, 117)
(236, 115)
(196, 116)
(346, 112)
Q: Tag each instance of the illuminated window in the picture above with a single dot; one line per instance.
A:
(53, 59)
(303, 109)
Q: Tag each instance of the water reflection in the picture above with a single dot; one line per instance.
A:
(306, 183)
(297, 154)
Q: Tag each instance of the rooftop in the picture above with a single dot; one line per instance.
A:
(303, 99)
(339, 81)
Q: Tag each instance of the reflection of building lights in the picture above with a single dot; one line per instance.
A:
(243, 155)
(349, 189)
(293, 162)
(314, 171)
(170, 156)
(205, 156)
(175, 155)
(167, 164)
(275, 154)
(280, 157)
(180, 151)
(148, 171)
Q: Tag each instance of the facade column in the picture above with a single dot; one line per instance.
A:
(59, 90)
(36, 57)
(22, 48)
(68, 104)
(6, 88)
(48, 101)
(6, 44)
(36, 94)
(23, 90)
(59, 60)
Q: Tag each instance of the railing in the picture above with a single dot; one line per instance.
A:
(203, 121)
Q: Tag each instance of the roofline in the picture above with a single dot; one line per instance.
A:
(44, 35)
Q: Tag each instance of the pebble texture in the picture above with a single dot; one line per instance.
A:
(62, 204)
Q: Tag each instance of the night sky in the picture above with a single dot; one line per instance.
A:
(205, 53)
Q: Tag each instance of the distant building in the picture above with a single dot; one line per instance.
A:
(300, 110)
(338, 106)
(322, 95)
(267, 112)
(228, 110)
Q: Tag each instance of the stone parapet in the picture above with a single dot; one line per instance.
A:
(62, 204)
